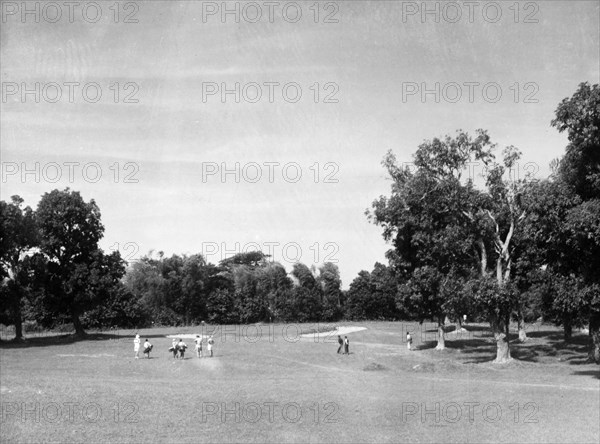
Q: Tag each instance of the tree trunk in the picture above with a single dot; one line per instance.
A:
(15, 309)
(567, 330)
(17, 317)
(594, 353)
(499, 329)
(79, 331)
(18, 327)
(441, 344)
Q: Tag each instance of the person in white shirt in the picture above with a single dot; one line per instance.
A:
(408, 340)
(136, 346)
(147, 348)
(174, 348)
(181, 346)
(198, 342)
(210, 341)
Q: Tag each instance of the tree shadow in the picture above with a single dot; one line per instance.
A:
(574, 350)
(69, 338)
(594, 373)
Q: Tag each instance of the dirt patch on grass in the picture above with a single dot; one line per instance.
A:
(374, 367)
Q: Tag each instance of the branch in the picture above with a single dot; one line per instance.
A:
(508, 238)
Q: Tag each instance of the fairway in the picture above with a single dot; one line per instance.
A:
(266, 384)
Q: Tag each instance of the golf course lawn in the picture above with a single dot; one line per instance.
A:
(278, 387)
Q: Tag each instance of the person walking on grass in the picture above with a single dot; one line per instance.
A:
(211, 342)
(181, 346)
(147, 348)
(174, 348)
(198, 342)
(346, 345)
(408, 341)
(341, 344)
(136, 346)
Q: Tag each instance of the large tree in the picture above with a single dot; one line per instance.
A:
(18, 237)
(373, 295)
(70, 229)
(579, 116)
(449, 226)
(331, 283)
(426, 221)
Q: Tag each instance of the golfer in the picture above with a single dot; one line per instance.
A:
(174, 348)
(136, 346)
(181, 346)
(210, 341)
(147, 348)
(346, 345)
(198, 342)
(408, 340)
(341, 343)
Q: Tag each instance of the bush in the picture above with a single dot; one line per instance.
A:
(31, 327)
(64, 328)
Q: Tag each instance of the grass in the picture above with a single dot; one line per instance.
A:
(265, 384)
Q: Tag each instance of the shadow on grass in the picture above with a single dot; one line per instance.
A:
(554, 345)
(543, 345)
(594, 373)
(62, 339)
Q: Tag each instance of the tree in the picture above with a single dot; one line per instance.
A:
(439, 220)
(506, 215)
(426, 221)
(307, 297)
(373, 295)
(18, 236)
(330, 282)
(276, 285)
(579, 116)
(358, 299)
(583, 225)
(70, 230)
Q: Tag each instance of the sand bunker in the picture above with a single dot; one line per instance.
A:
(338, 331)
(186, 336)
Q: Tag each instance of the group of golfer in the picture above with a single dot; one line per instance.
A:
(178, 347)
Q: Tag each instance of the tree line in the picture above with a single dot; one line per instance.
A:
(499, 248)
(507, 249)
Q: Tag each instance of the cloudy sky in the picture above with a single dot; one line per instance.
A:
(125, 105)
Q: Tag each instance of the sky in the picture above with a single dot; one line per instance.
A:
(134, 105)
